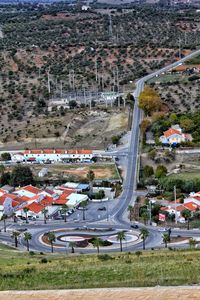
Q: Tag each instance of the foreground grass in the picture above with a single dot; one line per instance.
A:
(22, 271)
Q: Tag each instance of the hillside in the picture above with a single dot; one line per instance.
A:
(23, 271)
(48, 52)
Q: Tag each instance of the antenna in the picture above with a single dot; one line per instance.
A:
(48, 82)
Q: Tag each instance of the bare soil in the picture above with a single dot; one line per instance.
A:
(155, 293)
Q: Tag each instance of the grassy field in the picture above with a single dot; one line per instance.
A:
(22, 271)
(186, 176)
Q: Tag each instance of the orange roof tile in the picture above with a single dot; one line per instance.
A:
(31, 189)
(171, 131)
(47, 201)
(191, 206)
(35, 207)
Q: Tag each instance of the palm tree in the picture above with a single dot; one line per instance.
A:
(130, 209)
(166, 239)
(144, 233)
(45, 211)
(51, 238)
(145, 217)
(96, 243)
(64, 210)
(27, 238)
(72, 245)
(90, 178)
(3, 218)
(192, 243)
(83, 204)
(120, 237)
(14, 236)
(26, 209)
(186, 213)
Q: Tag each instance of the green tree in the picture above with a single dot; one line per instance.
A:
(152, 154)
(64, 210)
(121, 237)
(27, 238)
(5, 178)
(192, 243)
(166, 239)
(5, 156)
(45, 212)
(72, 245)
(51, 238)
(96, 243)
(144, 233)
(90, 178)
(3, 218)
(130, 210)
(145, 217)
(161, 171)
(115, 139)
(14, 236)
(186, 213)
(26, 210)
(21, 175)
(72, 104)
(148, 171)
(2, 169)
(83, 204)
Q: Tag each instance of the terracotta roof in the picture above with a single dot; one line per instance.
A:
(64, 197)
(58, 151)
(35, 207)
(47, 201)
(171, 131)
(191, 206)
(31, 189)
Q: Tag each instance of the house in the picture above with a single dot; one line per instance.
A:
(43, 172)
(174, 135)
(193, 197)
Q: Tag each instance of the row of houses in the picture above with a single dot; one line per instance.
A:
(36, 199)
(52, 155)
(191, 203)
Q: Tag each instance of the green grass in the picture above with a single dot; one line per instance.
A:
(193, 61)
(22, 271)
(186, 176)
(167, 78)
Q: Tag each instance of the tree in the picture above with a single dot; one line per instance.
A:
(3, 218)
(166, 239)
(186, 213)
(149, 100)
(64, 210)
(144, 125)
(27, 238)
(161, 171)
(144, 233)
(152, 154)
(90, 178)
(2, 169)
(148, 171)
(120, 237)
(51, 238)
(44, 212)
(5, 156)
(5, 178)
(14, 236)
(192, 243)
(83, 204)
(130, 210)
(25, 210)
(145, 217)
(21, 175)
(96, 243)
(72, 245)
(72, 104)
(186, 124)
(115, 139)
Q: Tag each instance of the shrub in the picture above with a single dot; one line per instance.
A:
(104, 257)
(44, 260)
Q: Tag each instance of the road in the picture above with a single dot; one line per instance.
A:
(118, 213)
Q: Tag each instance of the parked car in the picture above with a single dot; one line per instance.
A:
(135, 226)
(102, 208)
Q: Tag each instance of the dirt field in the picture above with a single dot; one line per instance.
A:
(156, 293)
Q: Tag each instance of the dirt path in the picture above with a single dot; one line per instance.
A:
(156, 293)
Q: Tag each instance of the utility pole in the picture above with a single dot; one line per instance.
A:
(175, 204)
(96, 69)
(48, 82)
(61, 89)
(150, 212)
(179, 48)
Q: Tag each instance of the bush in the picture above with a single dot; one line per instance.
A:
(44, 260)
(104, 257)
(31, 253)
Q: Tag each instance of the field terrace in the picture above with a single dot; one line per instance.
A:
(36, 199)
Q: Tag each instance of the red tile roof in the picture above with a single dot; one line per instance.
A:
(31, 189)
(35, 207)
(47, 201)
(191, 206)
(171, 131)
